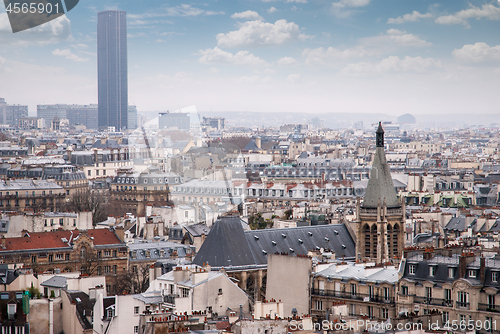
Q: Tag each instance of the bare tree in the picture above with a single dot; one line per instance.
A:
(89, 261)
(89, 201)
(135, 280)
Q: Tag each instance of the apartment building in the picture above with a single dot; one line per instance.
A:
(367, 290)
(92, 252)
(461, 287)
(31, 195)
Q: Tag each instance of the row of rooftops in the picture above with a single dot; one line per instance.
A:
(60, 239)
(440, 268)
(228, 245)
(361, 273)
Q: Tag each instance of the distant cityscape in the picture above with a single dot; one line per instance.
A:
(121, 220)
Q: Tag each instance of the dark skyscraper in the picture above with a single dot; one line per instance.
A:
(112, 69)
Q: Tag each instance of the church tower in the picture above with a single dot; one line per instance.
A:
(380, 218)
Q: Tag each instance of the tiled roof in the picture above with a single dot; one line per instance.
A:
(49, 240)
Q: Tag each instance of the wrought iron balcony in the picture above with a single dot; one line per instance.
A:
(488, 307)
(352, 296)
(433, 301)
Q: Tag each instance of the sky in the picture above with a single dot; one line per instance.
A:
(295, 56)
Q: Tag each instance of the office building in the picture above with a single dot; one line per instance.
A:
(11, 114)
(132, 117)
(76, 114)
(180, 121)
(112, 69)
(214, 122)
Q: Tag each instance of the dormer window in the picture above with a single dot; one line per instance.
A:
(432, 271)
(412, 269)
(494, 276)
(472, 273)
(451, 272)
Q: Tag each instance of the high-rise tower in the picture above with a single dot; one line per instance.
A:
(380, 219)
(112, 82)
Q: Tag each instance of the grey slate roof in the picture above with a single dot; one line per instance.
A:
(84, 307)
(56, 282)
(361, 273)
(456, 224)
(153, 250)
(443, 263)
(228, 245)
(251, 146)
(380, 185)
(196, 230)
(8, 276)
(150, 298)
(225, 245)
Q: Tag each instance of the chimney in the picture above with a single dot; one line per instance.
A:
(103, 141)
(482, 269)
(95, 156)
(258, 142)
(120, 233)
(462, 266)
(68, 152)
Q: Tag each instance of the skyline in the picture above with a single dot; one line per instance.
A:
(306, 56)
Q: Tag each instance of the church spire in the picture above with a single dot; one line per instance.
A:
(380, 135)
(380, 186)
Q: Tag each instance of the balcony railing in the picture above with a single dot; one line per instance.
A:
(488, 307)
(463, 305)
(354, 296)
(433, 301)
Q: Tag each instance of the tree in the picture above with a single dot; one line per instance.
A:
(89, 201)
(89, 261)
(257, 222)
(135, 280)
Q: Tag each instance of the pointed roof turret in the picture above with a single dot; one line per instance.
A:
(380, 135)
(380, 186)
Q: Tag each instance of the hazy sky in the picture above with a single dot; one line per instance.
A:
(392, 56)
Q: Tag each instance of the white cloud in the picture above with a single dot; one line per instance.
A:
(321, 56)
(391, 40)
(258, 33)
(272, 10)
(247, 15)
(293, 78)
(413, 17)
(213, 70)
(52, 32)
(351, 3)
(487, 11)
(393, 64)
(399, 37)
(286, 61)
(216, 55)
(180, 10)
(66, 53)
(478, 52)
